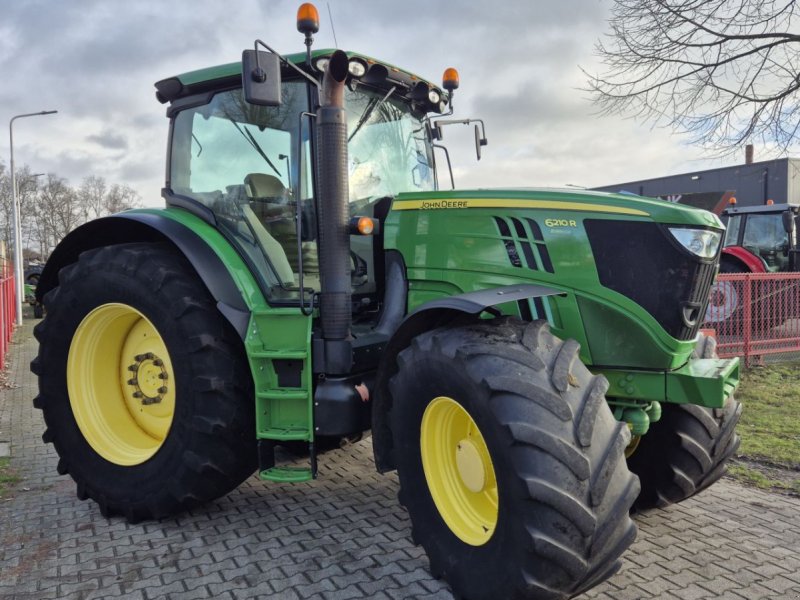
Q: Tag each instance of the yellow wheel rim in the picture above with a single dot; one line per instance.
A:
(632, 445)
(459, 471)
(121, 384)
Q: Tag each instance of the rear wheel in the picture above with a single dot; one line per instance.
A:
(687, 449)
(144, 386)
(511, 465)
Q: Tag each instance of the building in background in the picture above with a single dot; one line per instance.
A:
(751, 183)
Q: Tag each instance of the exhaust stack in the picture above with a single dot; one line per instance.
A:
(332, 189)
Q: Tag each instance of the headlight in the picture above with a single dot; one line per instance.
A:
(434, 97)
(702, 242)
(322, 64)
(356, 68)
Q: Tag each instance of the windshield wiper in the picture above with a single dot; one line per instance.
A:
(249, 137)
(368, 112)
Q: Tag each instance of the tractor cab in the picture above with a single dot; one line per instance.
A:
(761, 239)
(250, 167)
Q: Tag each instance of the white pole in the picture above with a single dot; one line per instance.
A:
(18, 265)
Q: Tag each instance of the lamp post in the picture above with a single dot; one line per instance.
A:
(18, 274)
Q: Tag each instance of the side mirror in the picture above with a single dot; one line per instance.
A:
(261, 78)
(788, 222)
(479, 141)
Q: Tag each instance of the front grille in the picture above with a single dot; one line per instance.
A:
(642, 261)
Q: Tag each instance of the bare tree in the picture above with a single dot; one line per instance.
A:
(27, 189)
(97, 199)
(724, 71)
(92, 194)
(120, 197)
(58, 211)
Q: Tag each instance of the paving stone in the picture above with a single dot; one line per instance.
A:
(341, 537)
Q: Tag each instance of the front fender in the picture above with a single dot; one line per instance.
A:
(152, 226)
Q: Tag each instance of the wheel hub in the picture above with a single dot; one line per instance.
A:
(470, 466)
(149, 380)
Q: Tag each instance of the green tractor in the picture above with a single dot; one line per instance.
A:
(519, 356)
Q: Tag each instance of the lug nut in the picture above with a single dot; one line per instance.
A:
(158, 362)
(140, 357)
(163, 376)
(162, 389)
(133, 368)
(137, 394)
(132, 381)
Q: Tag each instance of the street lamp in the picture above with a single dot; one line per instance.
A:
(18, 274)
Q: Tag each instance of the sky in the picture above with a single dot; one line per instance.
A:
(95, 61)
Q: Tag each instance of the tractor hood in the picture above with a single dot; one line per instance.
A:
(635, 272)
(627, 206)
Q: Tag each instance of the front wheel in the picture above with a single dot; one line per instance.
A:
(143, 385)
(511, 464)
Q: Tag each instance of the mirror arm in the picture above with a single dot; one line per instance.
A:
(439, 123)
(283, 60)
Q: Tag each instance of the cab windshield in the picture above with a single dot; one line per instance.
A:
(251, 165)
(388, 149)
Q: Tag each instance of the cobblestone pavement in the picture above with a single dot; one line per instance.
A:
(342, 536)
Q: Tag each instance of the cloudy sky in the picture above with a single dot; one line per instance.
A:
(95, 61)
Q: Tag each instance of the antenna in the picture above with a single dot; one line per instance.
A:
(330, 16)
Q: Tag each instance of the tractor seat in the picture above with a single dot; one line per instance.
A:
(272, 248)
(271, 213)
(261, 185)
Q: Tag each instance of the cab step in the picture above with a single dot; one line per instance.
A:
(287, 474)
(269, 471)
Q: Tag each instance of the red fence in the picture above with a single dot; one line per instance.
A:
(8, 310)
(756, 316)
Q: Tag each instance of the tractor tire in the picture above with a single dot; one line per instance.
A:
(144, 386)
(511, 464)
(687, 449)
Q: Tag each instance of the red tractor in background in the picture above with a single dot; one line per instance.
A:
(758, 239)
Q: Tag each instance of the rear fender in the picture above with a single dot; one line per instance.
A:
(134, 226)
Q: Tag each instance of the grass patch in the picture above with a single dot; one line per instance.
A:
(764, 478)
(8, 478)
(769, 456)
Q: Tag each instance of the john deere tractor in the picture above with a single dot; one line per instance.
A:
(520, 356)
